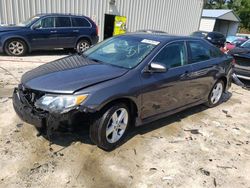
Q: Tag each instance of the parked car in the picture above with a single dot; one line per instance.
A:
(235, 43)
(133, 78)
(241, 55)
(216, 38)
(231, 38)
(200, 34)
(48, 31)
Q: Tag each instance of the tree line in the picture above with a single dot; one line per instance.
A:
(240, 7)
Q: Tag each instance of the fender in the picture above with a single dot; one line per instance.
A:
(94, 108)
(5, 38)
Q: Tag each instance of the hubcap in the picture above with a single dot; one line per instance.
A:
(216, 93)
(83, 46)
(16, 48)
(117, 125)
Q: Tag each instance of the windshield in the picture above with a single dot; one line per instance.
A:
(122, 51)
(246, 44)
(29, 21)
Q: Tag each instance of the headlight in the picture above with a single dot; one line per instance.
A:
(61, 103)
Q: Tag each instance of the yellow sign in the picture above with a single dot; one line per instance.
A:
(120, 25)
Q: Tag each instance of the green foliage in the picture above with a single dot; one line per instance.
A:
(240, 7)
(215, 4)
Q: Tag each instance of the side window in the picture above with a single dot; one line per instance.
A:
(45, 23)
(173, 55)
(199, 51)
(63, 22)
(80, 22)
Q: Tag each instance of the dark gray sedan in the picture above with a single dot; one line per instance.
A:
(125, 80)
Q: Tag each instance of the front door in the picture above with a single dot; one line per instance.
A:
(43, 34)
(169, 90)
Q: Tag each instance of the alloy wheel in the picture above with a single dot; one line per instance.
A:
(16, 48)
(216, 93)
(117, 125)
(83, 46)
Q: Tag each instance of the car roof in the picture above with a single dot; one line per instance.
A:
(161, 37)
(57, 14)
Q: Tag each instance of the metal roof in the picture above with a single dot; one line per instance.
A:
(224, 14)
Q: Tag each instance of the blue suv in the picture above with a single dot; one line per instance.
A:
(49, 31)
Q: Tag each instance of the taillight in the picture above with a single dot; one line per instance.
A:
(96, 29)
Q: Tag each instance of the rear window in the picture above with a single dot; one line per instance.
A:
(80, 22)
(63, 22)
(199, 51)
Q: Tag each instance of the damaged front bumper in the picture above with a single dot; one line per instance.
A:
(42, 120)
(25, 111)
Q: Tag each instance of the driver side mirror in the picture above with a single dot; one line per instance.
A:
(156, 67)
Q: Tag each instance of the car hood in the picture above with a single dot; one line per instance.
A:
(10, 28)
(239, 51)
(245, 55)
(69, 74)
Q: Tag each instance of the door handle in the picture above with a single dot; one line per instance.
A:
(76, 31)
(54, 31)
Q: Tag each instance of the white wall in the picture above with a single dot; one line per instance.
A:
(207, 24)
(173, 16)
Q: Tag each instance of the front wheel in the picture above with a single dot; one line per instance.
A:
(216, 93)
(110, 127)
(15, 47)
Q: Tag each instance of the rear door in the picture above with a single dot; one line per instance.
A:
(65, 33)
(205, 60)
(166, 91)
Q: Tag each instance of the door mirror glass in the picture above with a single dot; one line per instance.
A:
(156, 67)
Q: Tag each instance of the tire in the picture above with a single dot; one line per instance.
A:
(102, 126)
(216, 94)
(15, 47)
(82, 45)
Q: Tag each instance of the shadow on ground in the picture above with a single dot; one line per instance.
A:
(247, 84)
(81, 133)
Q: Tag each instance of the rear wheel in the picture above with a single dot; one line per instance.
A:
(216, 93)
(15, 47)
(110, 127)
(82, 45)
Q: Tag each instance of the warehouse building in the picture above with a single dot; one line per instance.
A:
(172, 16)
(224, 21)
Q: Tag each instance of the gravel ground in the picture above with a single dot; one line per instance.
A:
(199, 147)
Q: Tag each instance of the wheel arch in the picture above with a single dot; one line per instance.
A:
(19, 38)
(131, 104)
(83, 37)
(224, 79)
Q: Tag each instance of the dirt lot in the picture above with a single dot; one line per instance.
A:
(199, 147)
